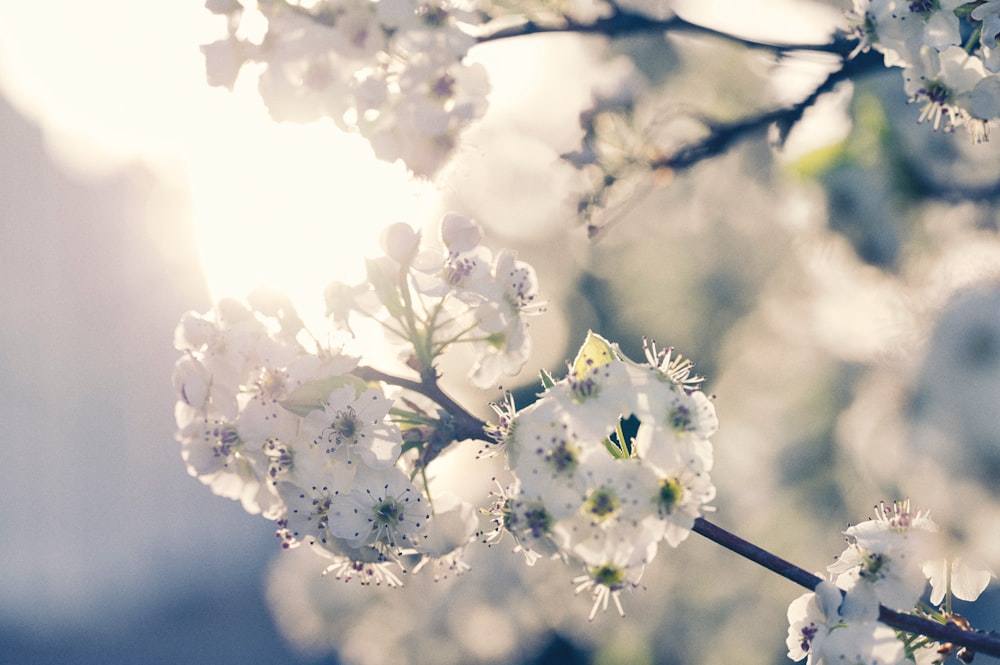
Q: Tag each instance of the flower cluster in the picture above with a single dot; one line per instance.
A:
(392, 70)
(304, 435)
(949, 55)
(888, 562)
(608, 463)
(428, 297)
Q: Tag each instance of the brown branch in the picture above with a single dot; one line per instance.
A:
(464, 424)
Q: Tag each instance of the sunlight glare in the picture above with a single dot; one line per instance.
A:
(291, 206)
(287, 206)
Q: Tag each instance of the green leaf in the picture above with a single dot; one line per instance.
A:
(313, 394)
(595, 352)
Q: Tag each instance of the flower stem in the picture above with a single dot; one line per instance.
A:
(979, 642)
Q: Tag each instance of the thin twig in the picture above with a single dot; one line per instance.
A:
(724, 135)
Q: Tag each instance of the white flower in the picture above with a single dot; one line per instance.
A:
(228, 345)
(451, 529)
(512, 293)
(944, 82)
(463, 267)
(611, 570)
(357, 34)
(548, 458)
(384, 511)
(963, 578)
(308, 499)
(351, 424)
(989, 14)
(216, 455)
(400, 243)
(268, 398)
(428, 105)
(530, 524)
(885, 556)
(679, 423)
(828, 631)
(903, 28)
(594, 397)
(867, 643)
(422, 26)
(305, 79)
(810, 617)
(680, 497)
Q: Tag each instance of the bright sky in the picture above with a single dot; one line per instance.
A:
(292, 206)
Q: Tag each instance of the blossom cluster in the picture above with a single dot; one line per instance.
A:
(303, 434)
(392, 70)
(948, 51)
(888, 562)
(608, 463)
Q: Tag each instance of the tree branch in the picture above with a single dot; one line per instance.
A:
(626, 23)
(465, 425)
(979, 642)
(723, 135)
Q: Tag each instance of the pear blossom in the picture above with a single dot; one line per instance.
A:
(308, 514)
(351, 425)
(989, 14)
(383, 511)
(583, 495)
(610, 570)
(885, 555)
(948, 78)
(826, 629)
(214, 452)
(943, 82)
(961, 577)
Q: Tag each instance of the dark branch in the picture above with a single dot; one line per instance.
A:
(465, 425)
(627, 23)
(986, 643)
(723, 135)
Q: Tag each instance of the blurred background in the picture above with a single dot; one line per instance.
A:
(842, 295)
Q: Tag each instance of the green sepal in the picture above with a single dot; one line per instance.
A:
(547, 380)
(410, 445)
